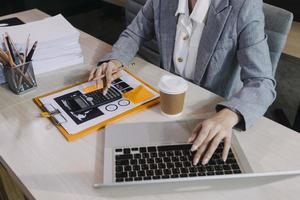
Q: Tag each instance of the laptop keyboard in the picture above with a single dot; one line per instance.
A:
(168, 162)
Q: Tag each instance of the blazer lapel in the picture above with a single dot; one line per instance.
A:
(216, 19)
(168, 24)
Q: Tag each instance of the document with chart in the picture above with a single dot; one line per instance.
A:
(81, 109)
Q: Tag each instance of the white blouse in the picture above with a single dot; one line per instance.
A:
(188, 36)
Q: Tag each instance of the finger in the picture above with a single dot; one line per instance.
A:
(108, 74)
(99, 83)
(227, 145)
(192, 137)
(201, 137)
(92, 73)
(195, 133)
(98, 79)
(199, 154)
(212, 148)
(100, 70)
(115, 76)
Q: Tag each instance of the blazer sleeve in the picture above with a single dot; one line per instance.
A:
(258, 91)
(141, 29)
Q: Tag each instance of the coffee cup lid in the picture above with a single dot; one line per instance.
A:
(171, 84)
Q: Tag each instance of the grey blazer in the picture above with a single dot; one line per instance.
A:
(233, 57)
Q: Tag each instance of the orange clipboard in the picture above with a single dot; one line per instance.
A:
(72, 137)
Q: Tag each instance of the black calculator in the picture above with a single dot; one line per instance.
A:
(80, 103)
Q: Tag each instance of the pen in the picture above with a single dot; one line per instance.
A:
(27, 47)
(30, 54)
(14, 51)
(113, 72)
(25, 66)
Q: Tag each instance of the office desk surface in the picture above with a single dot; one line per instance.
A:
(52, 168)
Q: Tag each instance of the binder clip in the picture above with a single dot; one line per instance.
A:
(54, 114)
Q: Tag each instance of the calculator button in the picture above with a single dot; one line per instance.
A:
(111, 107)
(89, 99)
(123, 102)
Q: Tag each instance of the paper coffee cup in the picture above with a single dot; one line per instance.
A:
(172, 94)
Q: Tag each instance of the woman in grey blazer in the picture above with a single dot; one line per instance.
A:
(232, 61)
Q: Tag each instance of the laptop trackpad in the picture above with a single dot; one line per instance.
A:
(137, 134)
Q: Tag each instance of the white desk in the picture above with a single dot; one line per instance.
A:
(52, 168)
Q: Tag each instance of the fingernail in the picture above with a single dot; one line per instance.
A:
(194, 148)
(196, 161)
(205, 161)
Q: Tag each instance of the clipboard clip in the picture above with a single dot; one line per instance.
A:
(54, 114)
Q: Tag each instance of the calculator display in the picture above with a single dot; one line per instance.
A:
(77, 104)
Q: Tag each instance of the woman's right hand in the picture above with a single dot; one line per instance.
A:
(105, 74)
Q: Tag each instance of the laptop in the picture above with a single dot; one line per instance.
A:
(148, 153)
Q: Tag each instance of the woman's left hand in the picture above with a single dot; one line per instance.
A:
(208, 134)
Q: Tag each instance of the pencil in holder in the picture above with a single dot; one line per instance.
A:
(20, 78)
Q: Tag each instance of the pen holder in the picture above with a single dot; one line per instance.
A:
(20, 78)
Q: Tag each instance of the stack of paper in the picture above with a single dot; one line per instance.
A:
(58, 42)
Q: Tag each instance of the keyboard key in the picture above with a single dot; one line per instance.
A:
(158, 160)
(142, 161)
(143, 149)
(147, 178)
(132, 174)
(122, 162)
(124, 157)
(170, 165)
(141, 173)
(175, 176)
(119, 168)
(145, 167)
(128, 179)
(165, 176)
(158, 172)
(149, 172)
(201, 174)
(153, 166)
(174, 147)
(161, 154)
(134, 149)
(150, 160)
(175, 159)
(156, 177)
(118, 150)
(170, 153)
(178, 164)
(235, 167)
(145, 155)
(184, 170)
(136, 167)
(219, 173)
(151, 149)
(119, 180)
(134, 162)
(153, 154)
(127, 168)
(192, 174)
(161, 165)
(126, 151)
(210, 173)
(167, 171)
(137, 156)
(237, 171)
(183, 175)
(138, 179)
(121, 174)
(175, 171)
